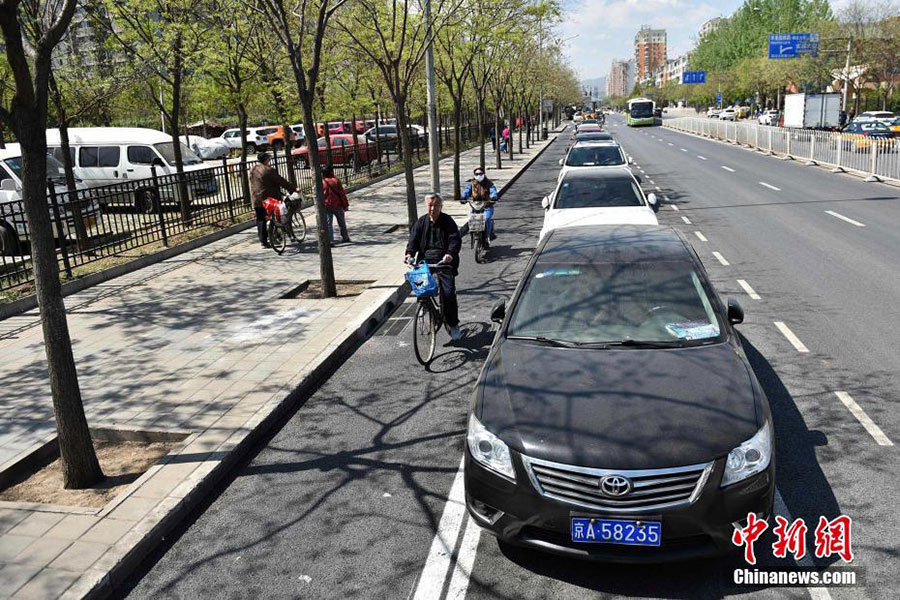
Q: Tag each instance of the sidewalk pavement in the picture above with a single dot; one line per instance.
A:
(202, 344)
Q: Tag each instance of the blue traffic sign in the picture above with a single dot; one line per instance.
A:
(719, 99)
(694, 77)
(793, 45)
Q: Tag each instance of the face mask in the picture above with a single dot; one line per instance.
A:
(479, 177)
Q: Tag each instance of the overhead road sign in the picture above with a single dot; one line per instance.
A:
(793, 45)
(694, 77)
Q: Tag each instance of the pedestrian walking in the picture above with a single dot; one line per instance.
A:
(493, 133)
(505, 143)
(336, 203)
(265, 182)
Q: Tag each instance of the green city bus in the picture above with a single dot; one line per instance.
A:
(640, 112)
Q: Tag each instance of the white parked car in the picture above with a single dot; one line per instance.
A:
(593, 155)
(257, 138)
(598, 197)
(713, 112)
(13, 228)
(578, 117)
(883, 116)
(728, 114)
(768, 117)
(103, 156)
(207, 149)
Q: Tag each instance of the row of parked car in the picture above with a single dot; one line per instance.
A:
(616, 416)
(270, 136)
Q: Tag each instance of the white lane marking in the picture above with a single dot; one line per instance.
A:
(686, 220)
(651, 182)
(729, 169)
(671, 144)
(721, 259)
(701, 157)
(658, 189)
(701, 236)
(674, 207)
(661, 140)
(770, 186)
(684, 149)
(793, 339)
(753, 295)
(861, 416)
(843, 218)
(459, 582)
(434, 573)
(780, 508)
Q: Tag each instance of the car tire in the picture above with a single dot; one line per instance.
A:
(9, 241)
(251, 148)
(146, 202)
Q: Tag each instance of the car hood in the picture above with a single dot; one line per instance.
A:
(615, 215)
(619, 408)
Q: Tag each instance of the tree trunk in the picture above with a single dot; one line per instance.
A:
(326, 263)
(457, 145)
(412, 213)
(480, 118)
(184, 200)
(74, 203)
(498, 135)
(521, 127)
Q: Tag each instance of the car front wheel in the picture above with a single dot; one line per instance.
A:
(9, 243)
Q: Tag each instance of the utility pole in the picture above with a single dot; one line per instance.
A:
(433, 152)
(541, 86)
(847, 76)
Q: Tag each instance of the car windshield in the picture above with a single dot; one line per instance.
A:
(55, 170)
(594, 156)
(598, 192)
(655, 301)
(167, 151)
(874, 126)
(641, 109)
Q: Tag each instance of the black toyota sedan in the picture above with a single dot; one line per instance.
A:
(616, 416)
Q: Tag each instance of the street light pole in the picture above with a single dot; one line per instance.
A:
(541, 86)
(433, 153)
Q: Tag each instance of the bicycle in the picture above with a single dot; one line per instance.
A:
(285, 220)
(478, 230)
(430, 310)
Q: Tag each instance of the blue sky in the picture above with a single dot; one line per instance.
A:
(605, 28)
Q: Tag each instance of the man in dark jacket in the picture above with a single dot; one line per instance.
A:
(435, 239)
(265, 182)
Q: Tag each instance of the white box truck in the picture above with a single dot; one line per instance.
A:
(812, 111)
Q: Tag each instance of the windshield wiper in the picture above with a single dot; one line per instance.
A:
(544, 340)
(630, 343)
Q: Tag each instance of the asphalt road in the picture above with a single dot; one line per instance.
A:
(345, 500)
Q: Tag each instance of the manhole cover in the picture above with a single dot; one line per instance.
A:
(311, 289)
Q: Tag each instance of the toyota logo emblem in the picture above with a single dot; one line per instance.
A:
(615, 485)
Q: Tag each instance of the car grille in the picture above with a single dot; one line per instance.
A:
(651, 489)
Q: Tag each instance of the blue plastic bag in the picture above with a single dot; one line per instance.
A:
(422, 282)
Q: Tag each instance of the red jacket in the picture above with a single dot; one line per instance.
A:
(335, 196)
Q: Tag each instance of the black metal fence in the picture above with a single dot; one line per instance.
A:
(124, 219)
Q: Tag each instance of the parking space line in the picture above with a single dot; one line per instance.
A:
(684, 149)
(861, 416)
(793, 339)
(434, 573)
(843, 218)
(701, 236)
(750, 292)
(465, 559)
(721, 259)
(686, 220)
(671, 144)
(701, 157)
(770, 186)
(780, 508)
(729, 169)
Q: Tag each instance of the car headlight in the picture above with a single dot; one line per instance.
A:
(489, 450)
(750, 458)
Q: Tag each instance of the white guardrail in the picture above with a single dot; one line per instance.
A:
(877, 159)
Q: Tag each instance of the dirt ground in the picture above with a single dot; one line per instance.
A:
(344, 289)
(122, 463)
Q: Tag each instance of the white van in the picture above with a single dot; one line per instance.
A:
(103, 156)
(13, 228)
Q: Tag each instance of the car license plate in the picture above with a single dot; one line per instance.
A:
(616, 531)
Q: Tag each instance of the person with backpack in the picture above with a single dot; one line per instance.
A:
(336, 203)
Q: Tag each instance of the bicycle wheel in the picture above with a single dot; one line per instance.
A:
(277, 238)
(424, 332)
(298, 227)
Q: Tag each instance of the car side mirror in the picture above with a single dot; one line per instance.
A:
(158, 162)
(545, 202)
(8, 185)
(735, 312)
(630, 160)
(498, 312)
(652, 199)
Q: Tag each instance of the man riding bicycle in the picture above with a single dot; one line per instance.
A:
(265, 182)
(482, 188)
(435, 238)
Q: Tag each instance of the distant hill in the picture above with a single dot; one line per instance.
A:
(597, 83)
